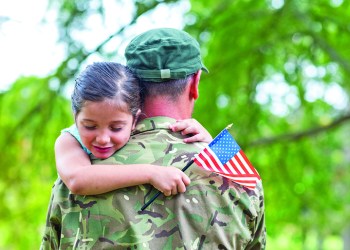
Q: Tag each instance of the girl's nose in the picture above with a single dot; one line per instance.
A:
(103, 138)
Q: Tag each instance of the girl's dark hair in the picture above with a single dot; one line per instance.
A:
(106, 80)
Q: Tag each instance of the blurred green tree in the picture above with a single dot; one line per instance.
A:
(279, 70)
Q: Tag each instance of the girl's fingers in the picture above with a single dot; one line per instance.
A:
(167, 193)
(194, 138)
(181, 188)
(178, 126)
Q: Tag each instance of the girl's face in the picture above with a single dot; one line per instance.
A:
(104, 127)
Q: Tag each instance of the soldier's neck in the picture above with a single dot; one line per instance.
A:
(163, 107)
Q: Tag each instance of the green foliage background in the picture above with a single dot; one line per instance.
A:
(274, 66)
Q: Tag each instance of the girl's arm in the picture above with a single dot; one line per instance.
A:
(193, 128)
(81, 177)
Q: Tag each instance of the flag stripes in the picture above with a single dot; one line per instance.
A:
(225, 157)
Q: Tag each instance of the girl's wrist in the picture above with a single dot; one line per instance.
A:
(150, 171)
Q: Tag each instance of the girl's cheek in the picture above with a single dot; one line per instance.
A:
(86, 137)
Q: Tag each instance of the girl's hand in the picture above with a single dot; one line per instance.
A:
(193, 128)
(169, 180)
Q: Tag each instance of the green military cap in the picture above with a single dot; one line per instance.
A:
(162, 54)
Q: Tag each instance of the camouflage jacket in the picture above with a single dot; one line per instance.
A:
(213, 213)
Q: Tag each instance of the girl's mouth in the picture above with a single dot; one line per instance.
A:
(102, 149)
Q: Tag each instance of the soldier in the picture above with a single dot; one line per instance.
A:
(214, 212)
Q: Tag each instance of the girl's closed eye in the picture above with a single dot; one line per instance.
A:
(89, 127)
(116, 129)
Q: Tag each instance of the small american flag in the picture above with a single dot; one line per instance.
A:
(224, 156)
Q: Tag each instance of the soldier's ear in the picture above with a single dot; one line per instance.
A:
(136, 118)
(194, 91)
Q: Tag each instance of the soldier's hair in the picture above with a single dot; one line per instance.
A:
(171, 89)
(107, 80)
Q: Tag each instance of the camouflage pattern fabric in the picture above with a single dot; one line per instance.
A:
(214, 212)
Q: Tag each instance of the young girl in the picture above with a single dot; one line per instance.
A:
(106, 105)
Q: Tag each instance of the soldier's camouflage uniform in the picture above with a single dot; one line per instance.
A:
(213, 213)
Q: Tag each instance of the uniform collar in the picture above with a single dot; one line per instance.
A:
(154, 123)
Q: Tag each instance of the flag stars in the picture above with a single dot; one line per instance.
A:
(224, 146)
(225, 157)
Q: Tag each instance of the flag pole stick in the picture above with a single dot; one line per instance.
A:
(157, 194)
(187, 165)
(229, 126)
